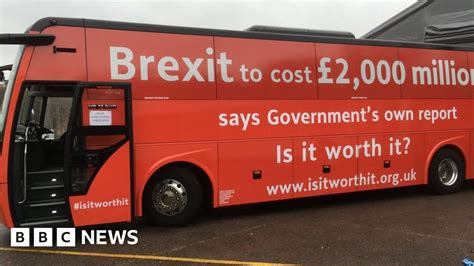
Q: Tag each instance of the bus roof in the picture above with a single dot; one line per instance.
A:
(47, 22)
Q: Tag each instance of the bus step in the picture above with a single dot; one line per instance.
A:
(45, 176)
(45, 203)
(46, 171)
(46, 187)
(46, 194)
(58, 221)
(46, 182)
(45, 211)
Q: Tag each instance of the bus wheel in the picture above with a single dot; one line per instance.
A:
(172, 198)
(446, 172)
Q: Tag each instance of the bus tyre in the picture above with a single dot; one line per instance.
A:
(446, 172)
(172, 198)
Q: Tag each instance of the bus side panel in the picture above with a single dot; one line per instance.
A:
(313, 170)
(172, 121)
(263, 69)
(159, 65)
(470, 173)
(339, 62)
(253, 171)
(431, 75)
(470, 57)
(151, 157)
(5, 216)
(20, 76)
(52, 63)
(435, 141)
(394, 160)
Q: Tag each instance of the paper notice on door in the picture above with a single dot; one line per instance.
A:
(100, 118)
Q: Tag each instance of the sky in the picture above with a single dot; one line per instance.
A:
(356, 16)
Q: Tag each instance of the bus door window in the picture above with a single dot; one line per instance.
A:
(103, 107)
(97, 134)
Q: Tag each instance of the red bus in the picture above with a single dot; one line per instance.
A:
(106, 121)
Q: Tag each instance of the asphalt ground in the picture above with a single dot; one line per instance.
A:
(389, 227)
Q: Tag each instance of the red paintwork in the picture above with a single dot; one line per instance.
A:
(354, 56)
(398, 163)
(421, 57)
(178, 121)
(98, 42)
(238, 160)
(101, 191)
(470, 57)
(264, 55)
(198, 120)
(46, 65)
(313, 169)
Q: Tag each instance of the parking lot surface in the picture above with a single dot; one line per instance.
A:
(389, 227)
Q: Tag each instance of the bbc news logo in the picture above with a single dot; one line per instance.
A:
(66, 237)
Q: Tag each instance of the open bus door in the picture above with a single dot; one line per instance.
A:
(99, 153)
(71, 160)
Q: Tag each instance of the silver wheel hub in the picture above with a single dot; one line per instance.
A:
(448, 171)
(169, 197)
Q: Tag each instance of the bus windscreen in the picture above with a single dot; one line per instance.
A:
(6, 91)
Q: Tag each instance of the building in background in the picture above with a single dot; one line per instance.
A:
(443, 16)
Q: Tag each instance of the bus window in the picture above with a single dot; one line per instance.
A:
(42, 123)
(98, 131)
(57, 115)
